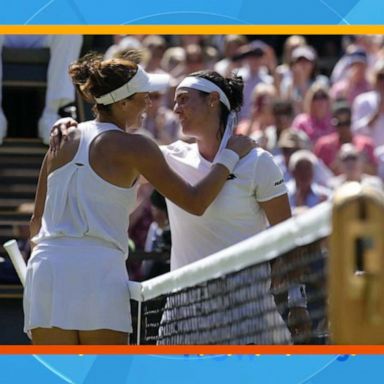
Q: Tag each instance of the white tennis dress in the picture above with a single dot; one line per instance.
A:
(76, 276)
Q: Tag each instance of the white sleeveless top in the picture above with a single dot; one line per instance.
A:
(81, 204)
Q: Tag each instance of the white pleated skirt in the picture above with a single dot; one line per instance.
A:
(76, 285)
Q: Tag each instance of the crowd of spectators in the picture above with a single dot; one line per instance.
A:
(323, 129)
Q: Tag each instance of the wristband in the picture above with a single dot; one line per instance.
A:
(297, 296)
(228, 158)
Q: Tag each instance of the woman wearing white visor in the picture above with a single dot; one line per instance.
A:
(254, 195)
(77, 286)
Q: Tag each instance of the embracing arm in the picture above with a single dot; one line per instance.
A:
(145, 156)
(60, 132)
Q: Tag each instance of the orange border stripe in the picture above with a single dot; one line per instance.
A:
(195, 350)
(193, 29)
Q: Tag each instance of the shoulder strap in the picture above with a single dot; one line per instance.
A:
(89, 130)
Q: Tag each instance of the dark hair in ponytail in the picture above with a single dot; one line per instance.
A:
(233, 89)
(94, 77)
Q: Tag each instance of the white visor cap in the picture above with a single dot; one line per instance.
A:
(140, 82)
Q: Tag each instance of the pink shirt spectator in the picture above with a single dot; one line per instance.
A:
(343, 89)
(328, 147)
(314, 128)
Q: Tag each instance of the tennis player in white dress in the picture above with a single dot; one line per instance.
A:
(77, 286)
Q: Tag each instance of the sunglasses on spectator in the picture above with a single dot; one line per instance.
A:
(320, 96)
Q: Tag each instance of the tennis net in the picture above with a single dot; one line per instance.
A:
(254, 292)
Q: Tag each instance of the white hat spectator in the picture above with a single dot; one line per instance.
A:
(348, 151)
(305, 52)
(301, 155)
(125, 44)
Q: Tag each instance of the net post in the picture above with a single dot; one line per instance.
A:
(356, 266)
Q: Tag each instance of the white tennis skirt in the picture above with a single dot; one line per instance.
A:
(77, 285)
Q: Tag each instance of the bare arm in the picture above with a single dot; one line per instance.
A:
(41, 192)
(144, 155)
(299, 322)
(136, 152)
(277, 209)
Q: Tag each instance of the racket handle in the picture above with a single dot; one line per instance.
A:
(17, 259)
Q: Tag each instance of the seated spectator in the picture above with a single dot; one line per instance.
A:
(351, 169)
(292, 141)
(64, 50)
(155, 46)
(327, 147)
(368, 109)
(185, 40)
(282, 112)
(160, 121)
(303, 192)
(205, 42)
(370, 44)
(253, 70)
(315, 121)
(158, 238)
(282, 71)
(195, 60)
(122, 44)
(172, 58)
(302, 75)
(232, 43)
(261, 110)
(354, 81)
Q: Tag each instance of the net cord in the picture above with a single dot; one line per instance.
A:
(265, 246)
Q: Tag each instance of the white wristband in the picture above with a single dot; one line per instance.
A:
(228, 158)
(297, 296)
